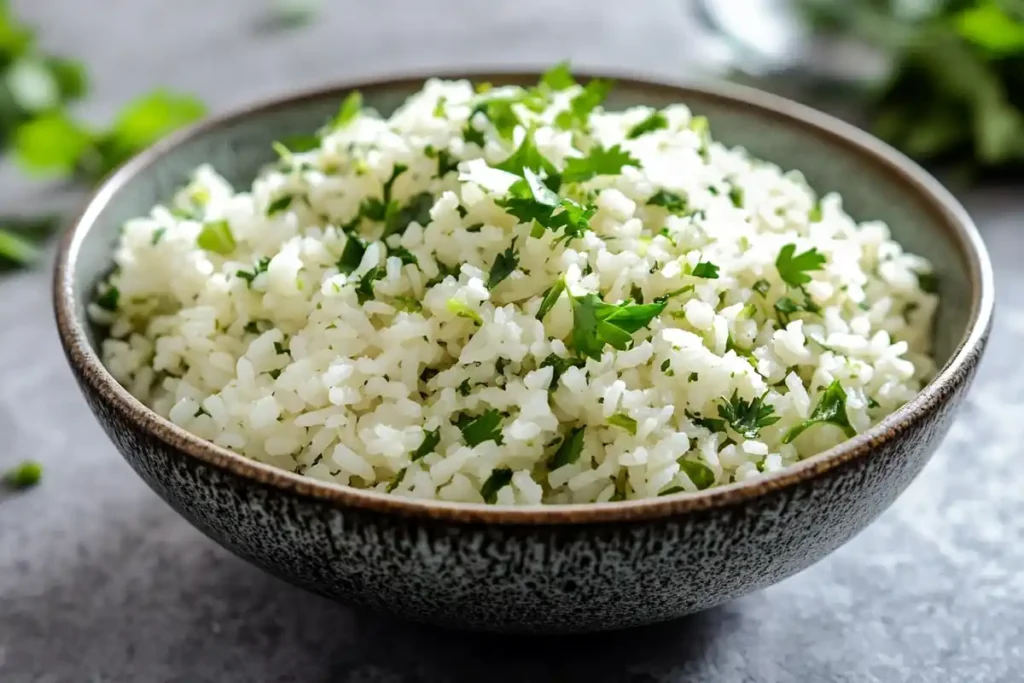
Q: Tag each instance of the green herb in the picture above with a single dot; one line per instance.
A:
(583, 104)
(531, 200)
(872, 403)
(831, 409)
(814, 215)
(528, 157)
(747, 418)
(351, 255)
(623, 421)
(364, 290)
(351, 106)
(569, 450)
(672, 202)
(397, 480)
(158, 235)
(301, 143)
(706, 269)
(621, 485)
(736, 196)
(694, 377)
(440, 107)
(700, 474)
(558, 77)
(108, 299)
(551, 296)
(793, 268)
(280, 349)
(761, 287)
(928, 282)
(656, 121)
(476, 430)
(709, 423)
(596, 323)
(406, 256)
(671, 490)
(599, 161)
(259, 267)
(417, 209)
(504, 265)
(499, 479)
(25, 474)
(446, 163)
(280, 204)
(464, 389)
(430, 441)
(464, 311)
(559, 365)
(216, 237)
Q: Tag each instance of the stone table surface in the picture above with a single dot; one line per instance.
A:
(101, 581)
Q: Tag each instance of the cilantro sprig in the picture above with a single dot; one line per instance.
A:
(793, 267)
(504, 265)
(599, 161)
(747, 418)
(596, 323)
(831, 409)
(656, 121)
(485, 427)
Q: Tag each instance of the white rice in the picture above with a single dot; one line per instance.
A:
(283, 364)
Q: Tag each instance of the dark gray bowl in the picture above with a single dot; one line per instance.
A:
(558, 568)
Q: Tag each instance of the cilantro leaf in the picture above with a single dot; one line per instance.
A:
(394, 483)
(499, 479)
(216, 237)
(656, 121)
(599, 161)
(351, 255)
(417, 209)
(430, 441)
(761, 287)
(672, 202)
(709, 423)
(596, 323)
(593, 94)
(108, 300)
(623, 421)
(747, 417)
(831, 409)
(259, 267)
(526, 156)
(531, 200)
(463, 311)
(559, 365)
(364, 290)
(706, 270)
(446, 163)
(280, 204)
(301, 143)
(558, 77)
(406, 256)
(504, 265)
(569, 450)
(700, 474)
(476, 430)
(793, 268)
(349, 110)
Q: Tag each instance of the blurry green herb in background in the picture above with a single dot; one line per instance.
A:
(956, 89)
(48, 141)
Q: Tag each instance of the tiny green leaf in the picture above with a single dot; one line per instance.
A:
(463, 311)
(706, 269)
(700, 474)
(280, 204)
(351, 255)
(623, 421)
(397, 480)
(831, 409)
(747, 417)
(551, 297)
(558, 77)
(504, 265)
(430, 441)
(350, 109)
(51, 144)
(569, 450)
(672, 202)
(476, 430)
(364, 290)
(793, 268)
(499, 479)
(599, 161)
(656, 121)
(108, 300)
(216, 237)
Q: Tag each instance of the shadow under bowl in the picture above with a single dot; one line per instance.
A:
(556, 568)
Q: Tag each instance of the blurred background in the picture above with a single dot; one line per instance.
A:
(99, 581)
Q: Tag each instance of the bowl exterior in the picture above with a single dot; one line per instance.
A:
(531, 578)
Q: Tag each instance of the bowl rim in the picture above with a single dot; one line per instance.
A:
(933, 197)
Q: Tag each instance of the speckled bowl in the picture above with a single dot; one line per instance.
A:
(556, 568)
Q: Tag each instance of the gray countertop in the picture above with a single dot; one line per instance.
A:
(101, 581)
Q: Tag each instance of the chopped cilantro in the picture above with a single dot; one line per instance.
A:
(583, 104)
(814, 215)
(793, 268)
(351, 255)
(257, 268)
(446, 163)
(761, 287)
(280, 204)
(407, 304)
(671, 490)
(531, 200)
(499, 479)
(350, 108)
(599, 161)
(831, 408)
(623, 421)
(464, 389)
(440, 110)
(736, 195)
(558, 77)
(504, 265)
(364, 290)
(672, 202)
(568, 451)
(464, 311)
(526, 156)
(25, 474)
(108, 299)
(596, 323)
(394, 483)
(928, 282)
(621, 485)
(872, 403)
(656, 121)
(476, 430)
(700, 474)
(559, 365)
(158, 235)
(551, 296)
(694, 377)
(709, 423)
(747, 417)
(216, 237)
(417, 209)
(637, 294)
(706, 269)
(300, 143)
(430, 441)
(404, 255)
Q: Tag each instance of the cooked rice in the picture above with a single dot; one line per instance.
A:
(268, 350)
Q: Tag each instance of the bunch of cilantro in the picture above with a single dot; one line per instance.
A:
(955, 91)
(46, 140)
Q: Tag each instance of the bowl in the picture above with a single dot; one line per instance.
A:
(558, 568)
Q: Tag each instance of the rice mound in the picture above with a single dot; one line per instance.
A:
(515, 297)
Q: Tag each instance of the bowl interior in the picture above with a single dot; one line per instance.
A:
(238, 146)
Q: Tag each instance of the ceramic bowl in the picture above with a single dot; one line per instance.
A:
(555, 568)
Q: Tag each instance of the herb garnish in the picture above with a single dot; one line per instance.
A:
(656, 121)
(430, 441)
(476, 430)
(280, 204)
(596, 323)
(569, 450)
(499, 479)
(504, 265)
(672, 202)
(583, 104)
(551, 297)
(364, 290)
(700, 474)
(599, 161)
(108, 300)
(747, 417)
(216, 237)
(624, 421)
(793, 268)
(706, 270)
(350, 108)
(831, 409)
(257, 268)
